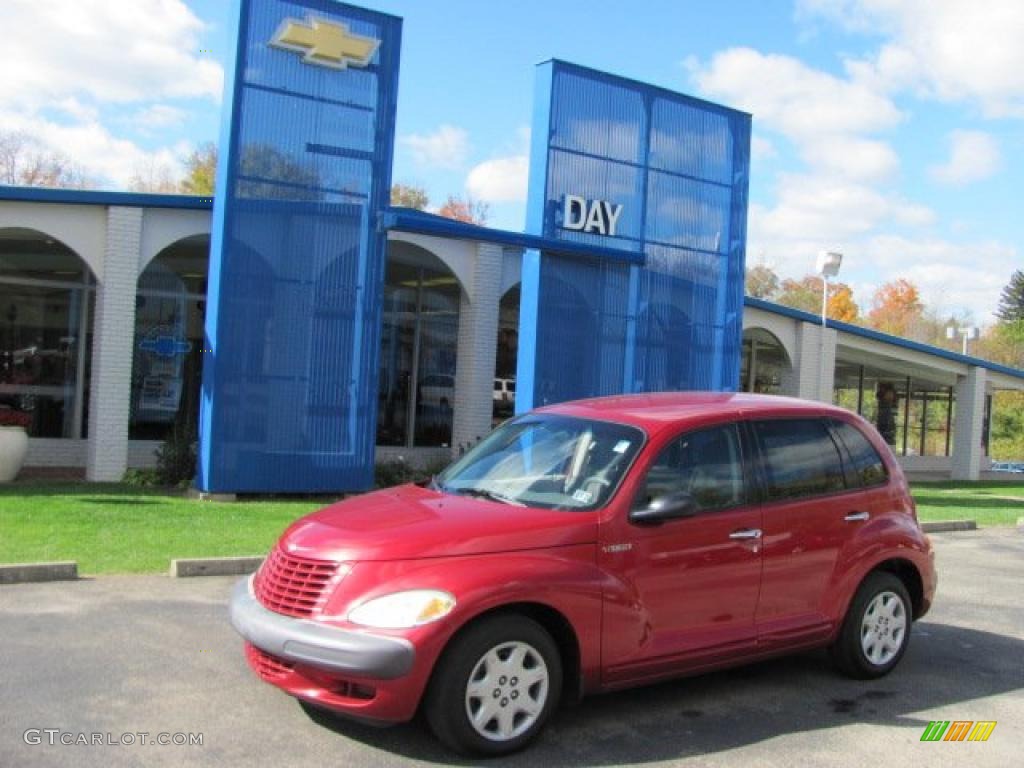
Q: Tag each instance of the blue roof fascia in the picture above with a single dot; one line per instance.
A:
(885, 338)
(410, 220)
(100, 197)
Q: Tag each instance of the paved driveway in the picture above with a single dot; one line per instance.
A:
(126, 655)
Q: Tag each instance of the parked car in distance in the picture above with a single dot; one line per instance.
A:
(1007, 466)
(504, 395)
(591, 546)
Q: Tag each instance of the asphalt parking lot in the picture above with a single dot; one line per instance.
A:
(130, 655)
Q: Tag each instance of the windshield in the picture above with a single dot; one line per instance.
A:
(549, 461)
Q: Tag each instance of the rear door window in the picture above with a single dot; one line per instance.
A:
(799, 457)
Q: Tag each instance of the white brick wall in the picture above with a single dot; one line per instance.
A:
(477, 346)
(113, 337)
(970, 409)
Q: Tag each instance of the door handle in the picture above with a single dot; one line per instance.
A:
(856, 517)
(746, 533)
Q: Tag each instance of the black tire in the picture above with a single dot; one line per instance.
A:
(868, 645)
(478, 650)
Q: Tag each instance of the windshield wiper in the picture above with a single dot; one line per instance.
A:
(483, 493)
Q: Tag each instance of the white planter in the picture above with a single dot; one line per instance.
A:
(13, 447)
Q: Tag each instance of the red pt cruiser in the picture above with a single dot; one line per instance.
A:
(592, 546)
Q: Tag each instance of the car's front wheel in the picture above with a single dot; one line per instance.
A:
(876, 630)
(495, 686)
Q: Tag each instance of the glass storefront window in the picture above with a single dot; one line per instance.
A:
(167, 360)
(419, 336)
(763, 361)
(46, 309)
(918, 425)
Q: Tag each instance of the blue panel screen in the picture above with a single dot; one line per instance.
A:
(296, 266)
(678, 167)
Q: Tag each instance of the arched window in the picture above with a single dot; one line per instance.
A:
(763, 363)
(167, 360)
(418, 349)
(46, 310)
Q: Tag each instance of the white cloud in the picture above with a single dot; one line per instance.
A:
(827, 118)
(956, 276)
(974, 155)
(110, 160)
(761, 148)
(102, 51)
(159, 116)
(852, 157)
(792, 98)
(502, 179)
(842, 198)
(829, 210)
(952, 50)
(73, 71)
(445, 148)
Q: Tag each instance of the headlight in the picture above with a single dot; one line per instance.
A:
(402, 610)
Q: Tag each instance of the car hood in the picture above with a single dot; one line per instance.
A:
(409, 522)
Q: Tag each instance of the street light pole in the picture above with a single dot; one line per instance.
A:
(967, 332)
(827, 266)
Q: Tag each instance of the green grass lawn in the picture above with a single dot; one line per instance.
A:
(112, 528)
(988, 503)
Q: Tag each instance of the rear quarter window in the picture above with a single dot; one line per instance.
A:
(866, 461)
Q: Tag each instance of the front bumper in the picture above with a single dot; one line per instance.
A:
(311, 643)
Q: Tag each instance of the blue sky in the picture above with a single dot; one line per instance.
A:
(892, 130)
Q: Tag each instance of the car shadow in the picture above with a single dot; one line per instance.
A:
(944, 666)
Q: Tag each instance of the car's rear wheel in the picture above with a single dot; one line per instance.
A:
(495, 686)
(876, 630)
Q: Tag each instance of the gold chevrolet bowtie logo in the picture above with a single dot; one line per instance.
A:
(325, 43)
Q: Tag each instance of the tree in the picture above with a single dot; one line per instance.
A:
(841, 305)
(265, 164)
(468, 210)
(1003, 343)
(200, 170)
(805, 294)
(1011, 302)
(153, 177)
(802, 294)
(24, 162)
(409, 196)
(761, 282)
(896, 307)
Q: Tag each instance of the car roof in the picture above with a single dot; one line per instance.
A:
(654, 411)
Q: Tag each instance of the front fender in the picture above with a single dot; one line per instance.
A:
(563, 579)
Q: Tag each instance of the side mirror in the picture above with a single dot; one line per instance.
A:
(672, 506)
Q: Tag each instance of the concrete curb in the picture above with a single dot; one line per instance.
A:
(25, 573)
(214, 566)
(944, 526)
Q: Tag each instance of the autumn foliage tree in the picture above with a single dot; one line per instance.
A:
(25, 162)
(896, 307)
(409, 196)
(805, 294)
(200, 170)
(465, 209)
(761, 282)
(802, 294)
(841, 305)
